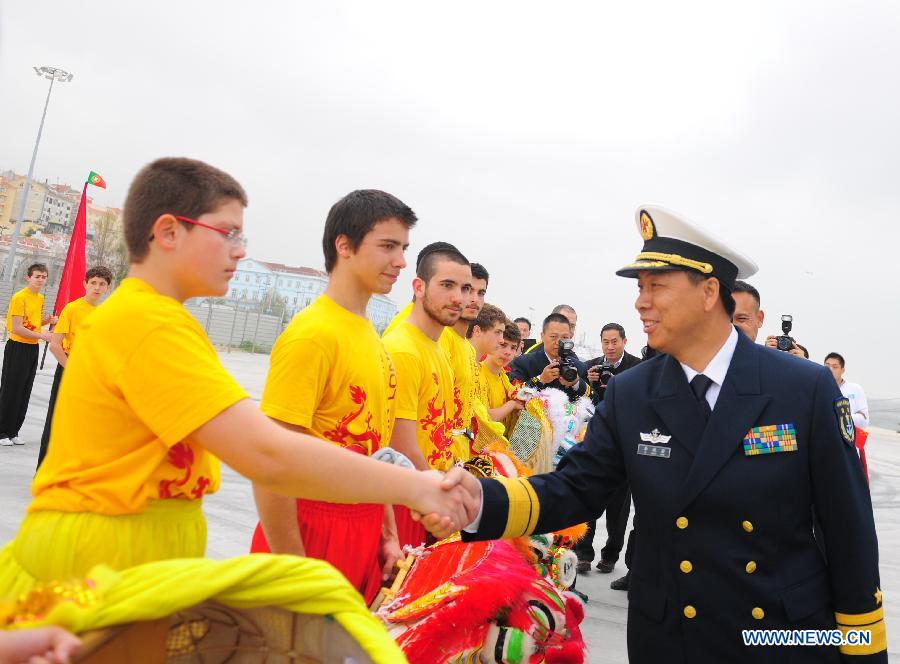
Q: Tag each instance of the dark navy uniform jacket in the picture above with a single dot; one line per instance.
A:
(726, 538)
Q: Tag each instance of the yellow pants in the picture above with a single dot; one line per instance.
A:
(149, 565)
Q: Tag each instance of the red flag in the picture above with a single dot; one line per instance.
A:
(71, 286)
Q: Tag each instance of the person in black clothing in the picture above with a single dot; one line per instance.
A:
(617, 360)
(540, 368)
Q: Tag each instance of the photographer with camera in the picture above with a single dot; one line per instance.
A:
(601, 369)
(554, 364)
(784, 341)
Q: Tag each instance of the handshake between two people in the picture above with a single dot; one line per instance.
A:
(448, 502)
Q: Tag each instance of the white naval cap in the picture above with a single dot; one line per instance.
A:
(672, 242)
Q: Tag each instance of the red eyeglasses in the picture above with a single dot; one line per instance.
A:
(234, 236)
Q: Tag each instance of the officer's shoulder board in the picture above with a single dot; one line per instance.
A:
(845, 420)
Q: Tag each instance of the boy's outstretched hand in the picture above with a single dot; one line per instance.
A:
(456, 482)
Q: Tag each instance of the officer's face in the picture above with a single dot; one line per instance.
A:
(673, 309)
(551, 336)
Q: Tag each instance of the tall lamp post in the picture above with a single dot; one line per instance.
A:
(53, 74)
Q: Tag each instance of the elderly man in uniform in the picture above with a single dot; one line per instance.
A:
(728, 447)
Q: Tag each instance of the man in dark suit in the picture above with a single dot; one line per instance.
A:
(615, 360)
(540, 368)
(728, 447)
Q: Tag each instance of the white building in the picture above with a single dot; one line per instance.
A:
(60, 208)
(261, 283)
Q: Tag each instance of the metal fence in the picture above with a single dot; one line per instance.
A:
(229, 325)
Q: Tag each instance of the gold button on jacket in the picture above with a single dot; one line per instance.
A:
(686, 566)
(747, 526)
(689, 611)
(758, 613)
(681, 522)
(751, 567)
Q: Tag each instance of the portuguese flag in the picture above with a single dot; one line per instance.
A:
(96, 180)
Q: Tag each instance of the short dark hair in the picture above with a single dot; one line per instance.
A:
(511, 331)
(614, 326)
(478, 272)
(356, 214)
(834, 356)
(744, 287)
(555, 318)
(521, 319)
(805, 352)
(425, 268)
(559, 308)
(37, 267)
(173, 185)
(725, 298)
(486, 319)
(99, 271)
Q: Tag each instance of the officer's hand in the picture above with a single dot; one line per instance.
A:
(593, 374)
(515, 405)
(771, 341)
(550, 373)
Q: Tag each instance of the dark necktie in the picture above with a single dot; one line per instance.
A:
(700, 384)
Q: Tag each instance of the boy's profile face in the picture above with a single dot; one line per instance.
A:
(379, 258)
(506, 351)
(205, 260)
(36, 280)
(95, 288)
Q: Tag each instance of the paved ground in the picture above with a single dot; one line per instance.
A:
(232, 516)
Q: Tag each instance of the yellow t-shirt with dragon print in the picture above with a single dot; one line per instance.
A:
(330, 374)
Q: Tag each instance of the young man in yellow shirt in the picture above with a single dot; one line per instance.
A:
(465, 364)
(96, 283)
(330, 376)
(24, 320)
(424, 401)
(146, 409)
(499, 389)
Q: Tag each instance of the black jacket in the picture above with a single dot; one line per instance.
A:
(526, 369)
(628, 361)
(726, 541)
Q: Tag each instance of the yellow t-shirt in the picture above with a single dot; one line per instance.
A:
(401, 316)
(70, 320)
(329, 373)
(142, 378)
(498, 388)
(461, 355)
(29, 306)
(424, 391)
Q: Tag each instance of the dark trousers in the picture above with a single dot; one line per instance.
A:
(629, 550)
(16, 380)
(617, 511)
(45, 438)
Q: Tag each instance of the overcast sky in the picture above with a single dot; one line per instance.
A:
(524, 133)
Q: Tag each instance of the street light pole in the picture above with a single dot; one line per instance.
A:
(54, 74)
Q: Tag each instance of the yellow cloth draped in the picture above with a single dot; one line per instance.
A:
(155, 590)
(148, 565)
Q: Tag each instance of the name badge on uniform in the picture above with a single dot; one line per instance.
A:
(656, 449)
(770, 439)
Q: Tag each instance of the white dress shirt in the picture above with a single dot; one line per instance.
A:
(716, 369)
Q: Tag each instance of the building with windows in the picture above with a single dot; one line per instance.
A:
(275, 287)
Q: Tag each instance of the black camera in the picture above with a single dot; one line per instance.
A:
(568, 369)
(605, 370)
(784, 341)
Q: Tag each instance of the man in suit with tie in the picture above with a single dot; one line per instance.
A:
(728, 447)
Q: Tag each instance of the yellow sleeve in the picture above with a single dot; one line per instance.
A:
(64, 324)
(174, 382)
(298, 372)
(408, 368)
(17, 306)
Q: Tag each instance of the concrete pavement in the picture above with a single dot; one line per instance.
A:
(232, 515)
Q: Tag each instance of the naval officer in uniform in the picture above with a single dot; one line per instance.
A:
(728, 447)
